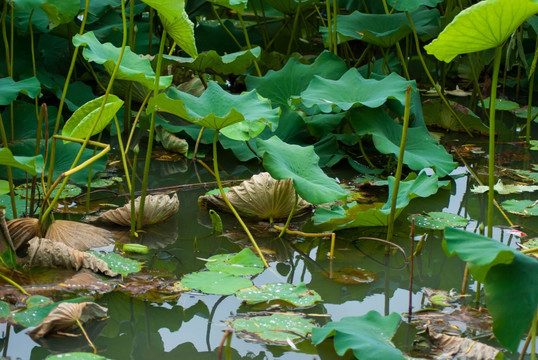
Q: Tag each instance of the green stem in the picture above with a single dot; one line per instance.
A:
(232, 36)
(122, 152)
(335, 32)
(8, 170)
(249, 46)
(491, 160)
(151, 134)
(291, 215)
(294, 27)
(329, 26)
(443, 98)
(364, 153)
(15, 284)
(398, 175)
(230, 206)
(66, 86)
(132, 193)
(533, 335)
(4, 37)
(531, 90)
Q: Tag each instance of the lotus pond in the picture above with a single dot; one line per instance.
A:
(268, 179)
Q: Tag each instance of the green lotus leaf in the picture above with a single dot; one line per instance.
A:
(384, 30)
(276, 328)
(412, 5)
(33, 316)
(328, 95)
(437, 114)
(236, 5)
(9, 89)
(27, 4)
(244, 263)
(176, 22)
(368, 336)
(5, 203)
(37, 300)
(213, 63)
(25, 125)
(80, 123)
(285, 161)
(294, 77)
(485, 25)
(217, 109)
(60, 11)
(412, 187)
(421, 150)
(296, 295)
(212, 282)
(4, 187)
(438, 220)
(132, 66)
(502, 104)
(119, 264)
(29, 164)
(509, 278)
(260, 197)
(503, 189)
(521, 207)
(5, 310)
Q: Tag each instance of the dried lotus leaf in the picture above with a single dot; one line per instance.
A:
(171, 142)
(49, 253)
(261, 197)
(157, 208)
(78, 235)
(64, 317)
(23, 230)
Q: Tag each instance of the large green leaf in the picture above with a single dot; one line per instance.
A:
(352, 89)
(509, 278)
(368, 336)
(30, 164)
(176, 22)
(25, 126)
(132, 66)
(384, 29)
(285, 161)
(421, 150)
(76, 356)
(243, 263)
(119, 264)
(27, 4)
(80, 123)
(412, 5)
(211, 62)
(521, 207)
(276, 328)
(4, 187)
(60, 11)
(438, 220)
(212, 282)
(217, 109)
(5, 310)
(485, 25)
(298, 295)
(9, 89)
(294, 77)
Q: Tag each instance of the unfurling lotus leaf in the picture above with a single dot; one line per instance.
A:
(49, 253)
(156, 208)
(65, 316)
(261, 197)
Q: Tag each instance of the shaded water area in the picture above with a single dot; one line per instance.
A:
(191, 326)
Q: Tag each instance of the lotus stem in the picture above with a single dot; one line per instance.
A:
(335, 32)
(398, 48)
(86, 336)
(20, 288)
(66, 86)
(132, 193)
(135, 122)
(533, 335)
(8, 170)
(491, 159)
(443, 98)
(531, 90)
(151, 133)
(329, 26)
(465, 279)
(400, 163)
(294, 27)
(122, 152)
(4, 37)
(288, 220)
(411, 270)
(198, 139)
(230, 206)
(232, 36)
(247, 40)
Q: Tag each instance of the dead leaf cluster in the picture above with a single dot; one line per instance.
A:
(260, 197)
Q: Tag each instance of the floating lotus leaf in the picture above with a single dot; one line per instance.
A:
(119, 264)
(298, 295)
(65, 316)
(156, 208)
(353, 275)
(438, 220)
(521, 207)
(49, 253)
(78, 235)
(261, 196)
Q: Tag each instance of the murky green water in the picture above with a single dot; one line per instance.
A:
(191, 327)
